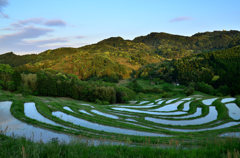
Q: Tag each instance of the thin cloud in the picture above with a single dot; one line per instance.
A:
(29, 21)
(28, 32)
(3, 3)
(79, 37)
(34, 40)
(59, 23)
(47, 41)
(31, 35)
(181, 18)
(17, 40)
(39, 21)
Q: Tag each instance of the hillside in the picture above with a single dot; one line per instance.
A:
(116, 58)
(220, 69)
(175, 46)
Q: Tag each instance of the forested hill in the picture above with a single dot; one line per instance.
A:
(173, 46)
(17, 60)
(116, 58)
(113, 58)
(220, 69)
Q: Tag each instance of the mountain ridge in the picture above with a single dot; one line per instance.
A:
(118, 58)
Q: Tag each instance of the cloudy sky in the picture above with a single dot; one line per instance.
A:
(32, 26)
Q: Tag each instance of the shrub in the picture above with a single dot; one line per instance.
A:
(238, 101)
(158, 81)
(29, 81)
(219, 94)
(166, 95)
(1, 84)
(224, 90)
(205, 88)
(25, 91)
(6, 72)
(166, 88)
(105, 94)
(189, 90)
(153, 90)
(10, 85)
(135, 86)
(17, 80)
(124, 94)
(100, 102)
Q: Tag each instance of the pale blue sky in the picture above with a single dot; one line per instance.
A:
(31, 26)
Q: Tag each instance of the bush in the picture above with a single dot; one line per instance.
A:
(25, 91)
(6, 72)
(166, 88)
(238, 101)
(17, 79)
(158, 81)
(219, 94)
(107, 94)
(166, 95)
(189, 90)
(97, 101)
(124, 94)
(135, 86)
(29, 81)
(153, 90)
(10, 85)
(224, 90)
(105, 78)
(205, 88)
(1, 84)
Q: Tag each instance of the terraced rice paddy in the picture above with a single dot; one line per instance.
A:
(13, 127)
(161, 118)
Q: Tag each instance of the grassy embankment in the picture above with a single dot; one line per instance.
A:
(20, 148)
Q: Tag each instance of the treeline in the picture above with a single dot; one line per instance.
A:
(114, 59)
(205, 72)
(52, 83)
(175, 46)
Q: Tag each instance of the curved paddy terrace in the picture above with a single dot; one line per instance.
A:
(158, 120)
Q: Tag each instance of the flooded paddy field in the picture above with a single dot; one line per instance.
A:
(157, 120)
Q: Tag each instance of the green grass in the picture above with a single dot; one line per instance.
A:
(153, 90)
(21, 148)
(238, 101)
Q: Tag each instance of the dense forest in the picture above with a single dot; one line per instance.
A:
(204, 71)
(52, 83)
(207, 62)
(174, 46)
